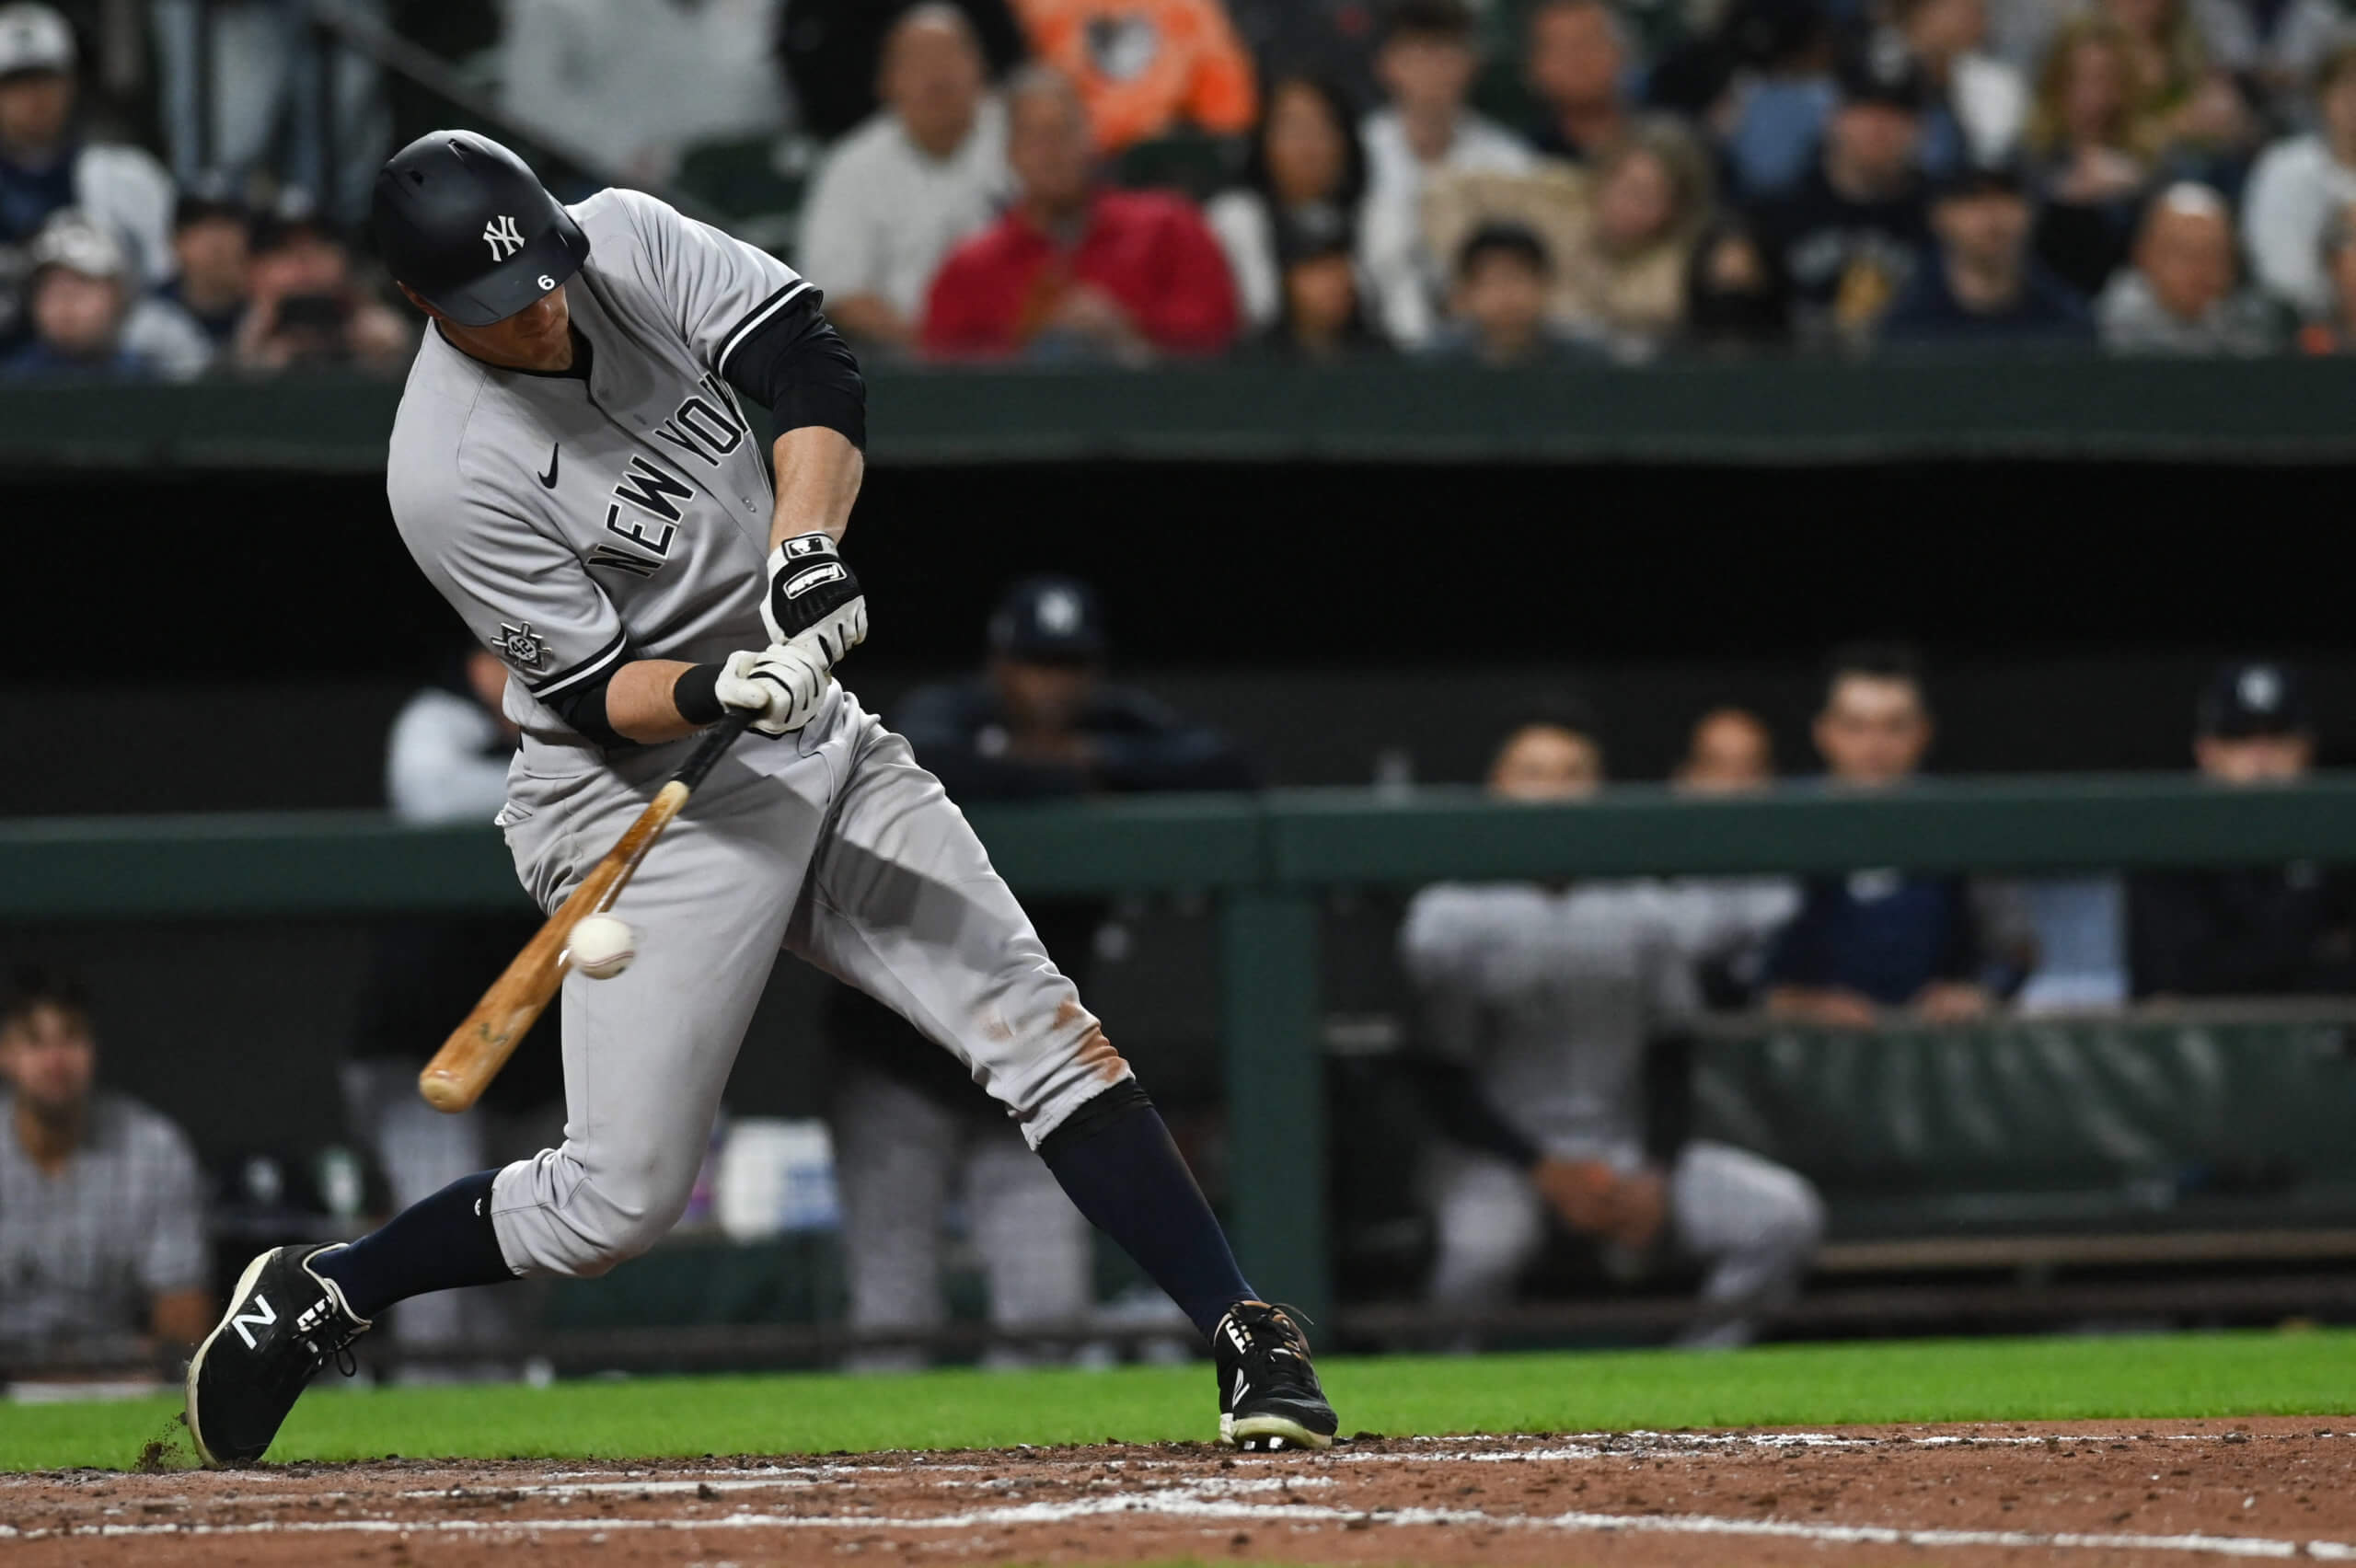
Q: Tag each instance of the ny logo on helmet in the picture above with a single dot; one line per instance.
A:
(502, 236)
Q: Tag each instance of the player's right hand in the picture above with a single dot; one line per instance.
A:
(783, 686)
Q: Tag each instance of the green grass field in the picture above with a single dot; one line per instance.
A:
(2310, 1373)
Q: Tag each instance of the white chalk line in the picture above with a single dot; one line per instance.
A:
(1214, 1500)
(1031, 1471)
(1212, 1510)
(1569, 1447)
(782, 1484)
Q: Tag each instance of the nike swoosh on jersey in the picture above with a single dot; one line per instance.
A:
(556, 456)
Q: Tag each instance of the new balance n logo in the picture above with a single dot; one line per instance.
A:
(260, 1315)
(501, 235)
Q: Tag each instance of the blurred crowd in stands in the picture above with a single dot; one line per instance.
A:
(1505, 182)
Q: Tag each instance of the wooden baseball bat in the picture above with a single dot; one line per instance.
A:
(475, 1052)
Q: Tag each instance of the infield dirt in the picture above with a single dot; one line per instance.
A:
(2091, 1493)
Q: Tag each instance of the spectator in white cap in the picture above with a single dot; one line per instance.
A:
(88, 320)
(2183, 293)
(47, 166)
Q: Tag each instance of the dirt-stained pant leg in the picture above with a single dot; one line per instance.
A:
(647, 1053)
(902, 903)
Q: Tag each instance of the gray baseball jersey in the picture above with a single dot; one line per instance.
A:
(620, 511)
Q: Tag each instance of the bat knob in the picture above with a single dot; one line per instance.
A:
(443, 1091)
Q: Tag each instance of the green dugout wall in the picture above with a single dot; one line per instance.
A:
(1266, 860)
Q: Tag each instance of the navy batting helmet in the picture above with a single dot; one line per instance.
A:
(468, 225)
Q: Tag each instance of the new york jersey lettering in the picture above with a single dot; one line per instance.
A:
(652, 490)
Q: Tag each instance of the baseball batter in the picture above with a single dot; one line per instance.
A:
(572, 468)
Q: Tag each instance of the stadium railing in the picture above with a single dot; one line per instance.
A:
(2080, 407)
(1266, 862)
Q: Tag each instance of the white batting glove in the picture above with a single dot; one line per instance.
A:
(812, 594)
(784, 685)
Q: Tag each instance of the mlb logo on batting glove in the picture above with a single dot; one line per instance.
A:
(810, 590)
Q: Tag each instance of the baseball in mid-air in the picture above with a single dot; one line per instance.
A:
(603, 946)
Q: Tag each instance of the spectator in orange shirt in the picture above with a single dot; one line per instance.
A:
(1074, 270)
(1144, 66)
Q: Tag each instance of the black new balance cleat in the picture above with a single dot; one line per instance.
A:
(1268, 1396)
(285, 1323)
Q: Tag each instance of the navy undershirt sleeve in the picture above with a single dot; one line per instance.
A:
(799, 368)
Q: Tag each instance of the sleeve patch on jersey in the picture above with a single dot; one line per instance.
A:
(521, 646)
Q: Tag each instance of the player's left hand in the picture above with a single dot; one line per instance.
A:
(812, 591)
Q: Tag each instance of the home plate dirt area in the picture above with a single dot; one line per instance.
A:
(2085, 1494)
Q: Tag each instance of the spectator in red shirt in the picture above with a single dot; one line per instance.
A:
(1075, 269)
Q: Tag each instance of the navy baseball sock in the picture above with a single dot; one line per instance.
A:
(1116, 1160)
(438, 1243)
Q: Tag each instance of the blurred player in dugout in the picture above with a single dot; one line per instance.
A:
(911, 1130)
(1552, 1063)
(102, 1245)
(445, 763)
(2246, 931)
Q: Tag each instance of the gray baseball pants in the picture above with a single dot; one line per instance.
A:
(1751, 1223)
(831, 843)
